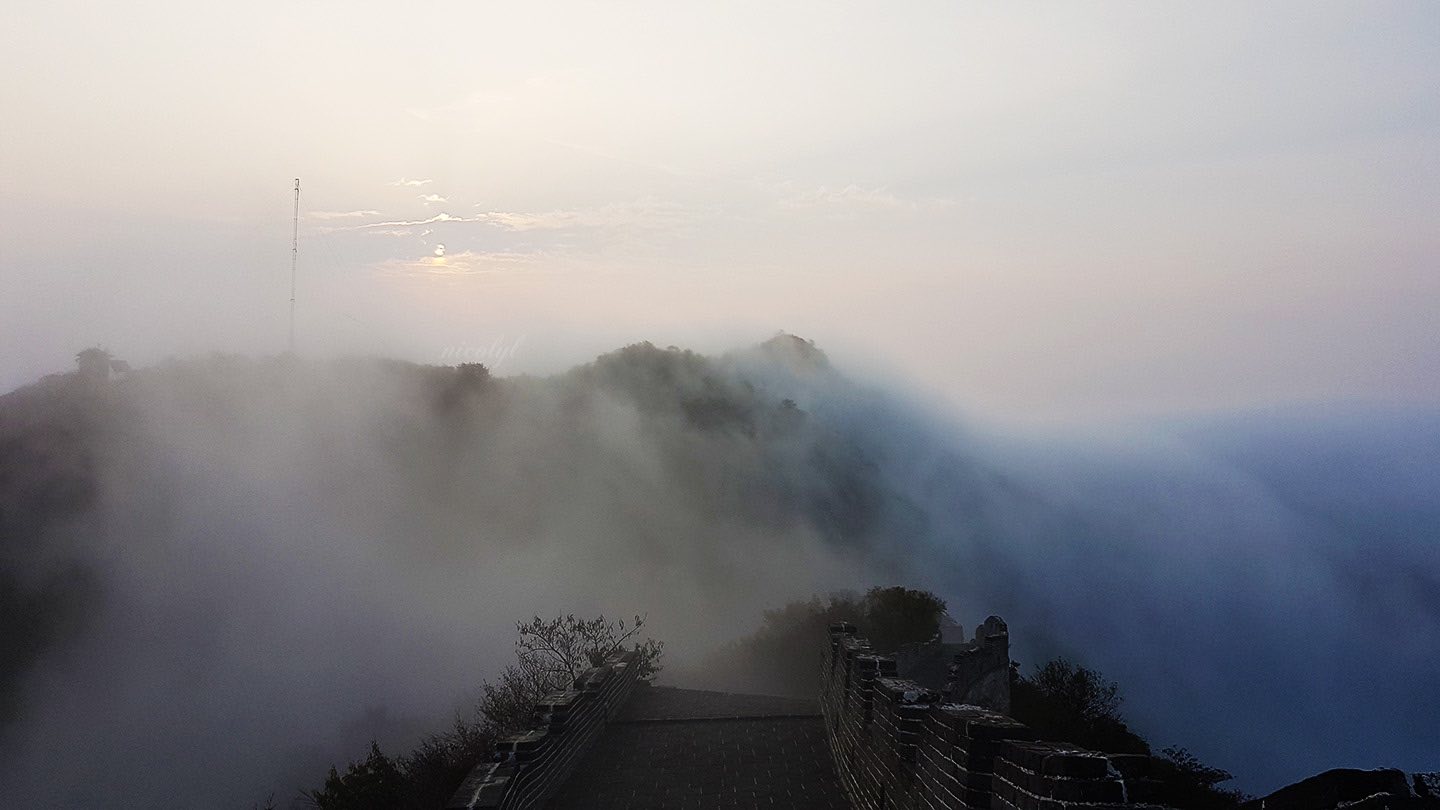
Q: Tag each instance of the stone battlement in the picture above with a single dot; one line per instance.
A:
(925, 729)
(898, 743)
(530, 767)
(975, 672)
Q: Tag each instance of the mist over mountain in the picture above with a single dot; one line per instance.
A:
(222, 574)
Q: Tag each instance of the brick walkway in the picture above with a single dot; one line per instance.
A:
(684, 748)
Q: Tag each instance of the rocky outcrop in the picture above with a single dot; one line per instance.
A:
(1352, 789)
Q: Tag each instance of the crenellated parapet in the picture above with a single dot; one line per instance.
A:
(974, 672)
(899, 745)
(529, 767)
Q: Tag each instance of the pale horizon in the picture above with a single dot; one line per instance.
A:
(1032, 212)
(1130, 318)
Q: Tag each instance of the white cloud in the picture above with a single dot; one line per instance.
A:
(642, 213)
(409, 223)
(340, 214)
(530, 221)
(407, 182)
(465, 263)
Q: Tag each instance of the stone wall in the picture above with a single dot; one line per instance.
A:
(899, 745)
(530, 767)
(975, 672)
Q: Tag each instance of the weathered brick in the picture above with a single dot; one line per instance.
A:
(1133, 766)
(1076, 765)
(1026, 754)
(1084, 790)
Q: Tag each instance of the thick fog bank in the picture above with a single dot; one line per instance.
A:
(243, 569)
(221, 575)
(1266, 589)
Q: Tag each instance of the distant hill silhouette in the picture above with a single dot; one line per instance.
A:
(208, 552)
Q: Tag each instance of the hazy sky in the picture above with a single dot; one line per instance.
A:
(1029, 208)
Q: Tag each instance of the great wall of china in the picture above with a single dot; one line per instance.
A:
(924, 729)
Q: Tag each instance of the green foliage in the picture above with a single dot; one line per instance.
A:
(779, 658)
(1072, 703)
(473, 373)
(375, 783)
(895, 616)
(1190, 783)
(679, 382)
(439, 763)
(566, 646)
(1185, 762)
(550, 655)
(1066, 701)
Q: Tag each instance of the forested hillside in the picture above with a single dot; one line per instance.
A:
(222, 574)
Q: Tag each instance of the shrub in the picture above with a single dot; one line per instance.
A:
(1071, 703)
(549, 655)
(1190, 783)
(1066, 701)
(779, 657)
(375, 783)
(892, 617)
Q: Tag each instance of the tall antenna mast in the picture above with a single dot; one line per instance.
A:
(294, 256)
